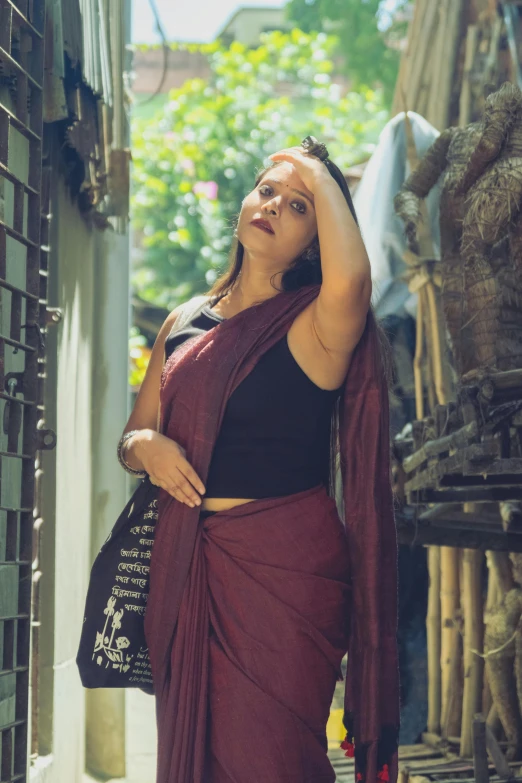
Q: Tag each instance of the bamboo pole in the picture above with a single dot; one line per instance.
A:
(491, 67)
(500, 565)
(453, 9)
(436, 345)
(421, 47)
(433, 633)
(405, 62)
(493, 720)
(493, 594)
(449, 578)
(471, 593)
(501, 617)
(469, 59)
(410, 55)
(487, 698)
(438, 44)
(493, 598)
(417, 361)
(430, 379)
(452, 718)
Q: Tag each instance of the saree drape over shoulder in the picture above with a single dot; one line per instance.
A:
(251, 610)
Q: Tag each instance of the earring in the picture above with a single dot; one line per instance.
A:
(311, 253)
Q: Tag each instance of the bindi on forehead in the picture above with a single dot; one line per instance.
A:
(295, 190)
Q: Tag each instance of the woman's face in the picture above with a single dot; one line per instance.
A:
(282, 199)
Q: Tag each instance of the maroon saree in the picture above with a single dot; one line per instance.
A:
(251, 610)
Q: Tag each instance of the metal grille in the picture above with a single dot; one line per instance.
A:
(22, 314)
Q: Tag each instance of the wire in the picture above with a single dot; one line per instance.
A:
(166, 52)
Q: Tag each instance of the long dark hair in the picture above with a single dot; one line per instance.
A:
(304, 270)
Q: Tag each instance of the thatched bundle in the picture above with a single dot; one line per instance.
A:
(481, 207)
(500, 643)
(451, 72)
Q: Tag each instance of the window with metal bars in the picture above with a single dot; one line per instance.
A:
(22, 317)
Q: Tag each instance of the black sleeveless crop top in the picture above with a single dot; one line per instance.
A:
(274, 439)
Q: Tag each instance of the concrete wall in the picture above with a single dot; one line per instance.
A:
(105, 753)
(84, 487)
(66, 538)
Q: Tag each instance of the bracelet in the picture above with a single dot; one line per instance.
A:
(121, 460)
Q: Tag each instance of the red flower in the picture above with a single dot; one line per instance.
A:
(349, 747)
(359, 776)
(384, 774)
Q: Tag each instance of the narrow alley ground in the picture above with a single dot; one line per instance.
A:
(141, 741)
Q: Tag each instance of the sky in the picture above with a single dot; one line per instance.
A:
(196, 20)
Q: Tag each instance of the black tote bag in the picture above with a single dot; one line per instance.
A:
(113, 652)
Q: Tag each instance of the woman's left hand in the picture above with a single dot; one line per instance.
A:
(310, 168)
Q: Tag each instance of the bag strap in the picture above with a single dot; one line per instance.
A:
(186, 312)
(188, 309)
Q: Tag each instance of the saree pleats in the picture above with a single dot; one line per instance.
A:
(248, 611)
(261, 633)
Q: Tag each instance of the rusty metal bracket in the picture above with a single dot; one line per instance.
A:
(54, 316)
(12, 420)
(14, 383)
(45, 440)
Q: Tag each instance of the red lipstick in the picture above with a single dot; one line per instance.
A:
(264, 225)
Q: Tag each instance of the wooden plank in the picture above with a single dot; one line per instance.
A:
(470, 482)
(450, 763)
(513, 465)
(433, 631)
(432, 448)
(441, 744)
(456, 536)
(492, 779)
(480, 754)
(418, 751)
(509, 379)
(499, 760)
(466, 494)
(434, 473)
(489, 516)
(471, 605)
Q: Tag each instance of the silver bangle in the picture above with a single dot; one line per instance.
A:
(121, 460)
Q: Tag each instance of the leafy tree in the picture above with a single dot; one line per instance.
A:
(197, 160)
(139, 356)
(367, 35)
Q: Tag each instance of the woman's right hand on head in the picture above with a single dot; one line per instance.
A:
(164, 460)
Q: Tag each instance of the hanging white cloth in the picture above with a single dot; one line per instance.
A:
(381, 229)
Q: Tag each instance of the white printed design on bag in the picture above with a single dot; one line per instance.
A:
(110, 649)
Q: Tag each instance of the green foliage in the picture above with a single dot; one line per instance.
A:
(139, 355)
(197, 158)
(366, 34)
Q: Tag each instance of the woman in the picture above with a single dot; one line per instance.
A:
(257, 589)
